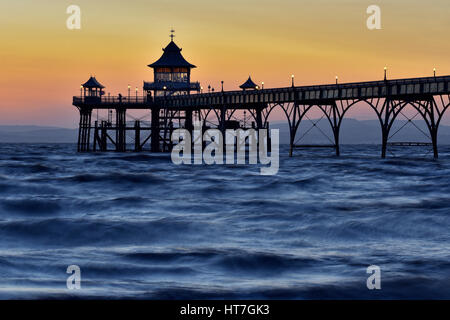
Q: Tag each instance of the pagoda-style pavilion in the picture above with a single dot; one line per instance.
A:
(172, 73)
(92, 88)
(249, 85)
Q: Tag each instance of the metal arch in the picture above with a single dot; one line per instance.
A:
(427, 111)
(433, 103)
(445, 107)
(335, 116)
(230, 115)
(217, 115)
(395, 112)
(252, 113)
(294, 123)
(205, 115)
(268, 111)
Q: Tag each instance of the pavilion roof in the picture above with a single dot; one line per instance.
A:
(249, 84)
(171, 57)
(93, 83)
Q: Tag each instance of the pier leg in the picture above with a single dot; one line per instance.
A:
(104, 143)
(120, 130)
(385, 128)
(435, 145)
(88, 133)
(336, 139)
(259, 126)
(137, 136)
(292, 132)
(384, 142)
(433, 124)
(188, 124)
(336, 128)
(95, 135)
(155, 130)
(259, 119)
(84, 130)
(222, 125)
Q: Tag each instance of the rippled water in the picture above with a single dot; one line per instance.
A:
(141, 227)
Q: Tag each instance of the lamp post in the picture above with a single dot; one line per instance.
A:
(385, 73)
(337, 79)
(129, 88)
(209, 88)
(136, 94)
(434, 72)
(292, 77)
(222, 84)
(201, 89)
(262, 85)
(165, 90)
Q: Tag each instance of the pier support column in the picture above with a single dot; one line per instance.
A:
(137, 136)
(336, 126)
(292, 131)
(222, 125)
(385, 127)
(121, 130)
(435, 145)
(259, 121)
(155, 130)
(103, 134)
(189, 124)
(433, 125)
(84, 130)
(384, 142)
(222, 120)
(96, 136)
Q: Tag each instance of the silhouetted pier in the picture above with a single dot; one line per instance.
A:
(172, 97)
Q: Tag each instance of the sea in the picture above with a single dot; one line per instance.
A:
(140, 227)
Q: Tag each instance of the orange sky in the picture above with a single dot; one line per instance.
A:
(43, 63)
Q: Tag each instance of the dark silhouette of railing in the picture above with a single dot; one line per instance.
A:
(304, 94)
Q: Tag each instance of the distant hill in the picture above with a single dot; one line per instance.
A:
(360, 132)
(37, 134)
(352, 132)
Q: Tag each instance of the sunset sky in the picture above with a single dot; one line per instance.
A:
(43, 63)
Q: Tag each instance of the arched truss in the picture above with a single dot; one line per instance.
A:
(432, 110)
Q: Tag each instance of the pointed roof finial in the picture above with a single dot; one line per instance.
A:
(172, 31)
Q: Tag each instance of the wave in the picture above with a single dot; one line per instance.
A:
(32, 206)
(139, 178)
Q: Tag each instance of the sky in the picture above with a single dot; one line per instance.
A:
(43, 63)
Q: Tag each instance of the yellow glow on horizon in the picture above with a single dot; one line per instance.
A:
(44, 63)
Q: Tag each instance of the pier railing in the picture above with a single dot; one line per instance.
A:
(111, 100)
(301, 94)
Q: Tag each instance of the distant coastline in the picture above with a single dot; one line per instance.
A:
(353, 132)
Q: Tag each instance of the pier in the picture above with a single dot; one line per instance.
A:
(173, 99)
